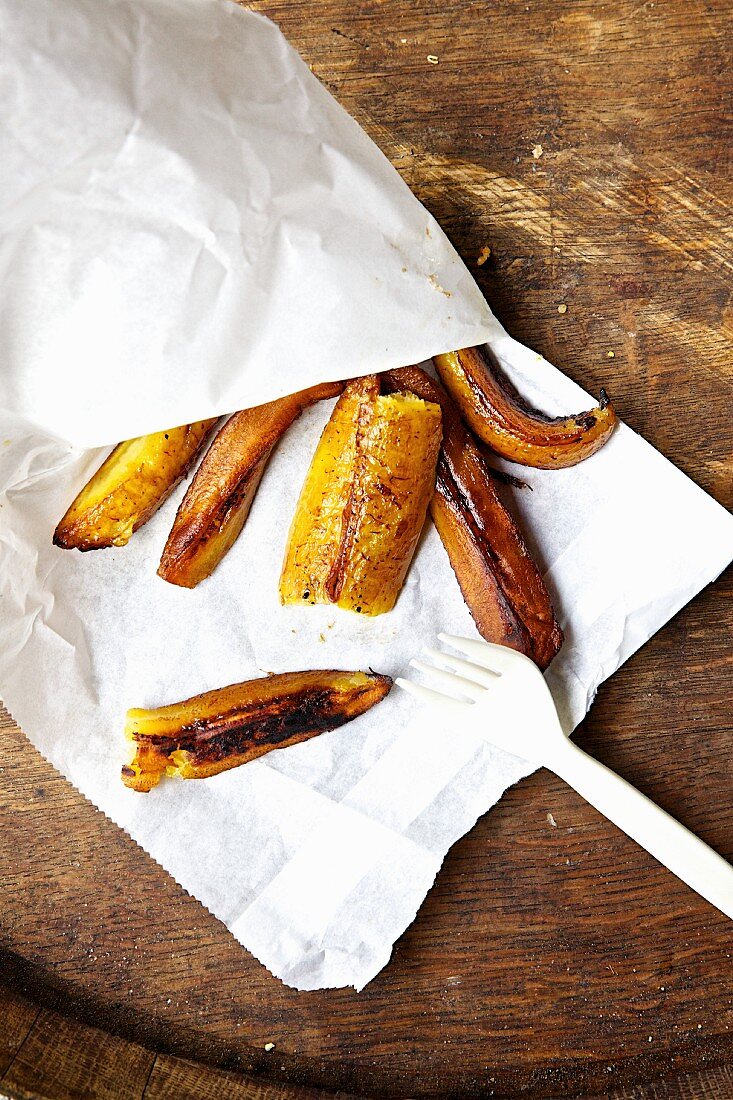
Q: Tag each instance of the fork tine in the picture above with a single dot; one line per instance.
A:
(484, 677)
(448, 681)
(496, 658)
(425, 695)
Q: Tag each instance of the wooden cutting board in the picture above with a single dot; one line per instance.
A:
(584, 143)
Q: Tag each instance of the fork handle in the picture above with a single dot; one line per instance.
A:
(668, 841)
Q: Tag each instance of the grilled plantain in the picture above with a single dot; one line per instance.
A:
(498, 578)
(129, 486)
(504, 421)
(226, 727)
(364, 501)
(218, 500)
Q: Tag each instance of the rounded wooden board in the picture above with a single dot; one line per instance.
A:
(582, 142)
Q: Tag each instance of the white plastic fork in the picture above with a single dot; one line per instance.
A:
(503, 695)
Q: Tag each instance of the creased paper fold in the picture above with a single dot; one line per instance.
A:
(189, 224)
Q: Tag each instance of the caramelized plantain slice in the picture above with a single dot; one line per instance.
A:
(393, 482)
(364, 501)
(217, 502)
(226, 727)
(129, 486)
(500, 417)
(315, 532)
(498, 578)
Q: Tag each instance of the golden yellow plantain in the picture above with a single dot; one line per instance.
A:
(229, 726)
(364, 501)
(130, 486)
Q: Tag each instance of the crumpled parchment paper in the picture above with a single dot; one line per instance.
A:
(189, 224)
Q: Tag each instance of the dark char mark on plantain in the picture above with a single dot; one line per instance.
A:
(275, 723)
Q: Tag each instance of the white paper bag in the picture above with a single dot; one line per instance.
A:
(189, 224)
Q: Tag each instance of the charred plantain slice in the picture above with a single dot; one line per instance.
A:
(129, 486)
(217, 502)
(364, 501)
(221, 729)
(500, 417)
(498, 578)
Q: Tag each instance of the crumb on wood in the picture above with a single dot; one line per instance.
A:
(433, 59)
(537, 151)
(269, 1046)
(551, 820)
(562, 308)
(610, 354)
(483, 255)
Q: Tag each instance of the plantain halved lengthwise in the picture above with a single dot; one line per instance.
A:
(499, 580)
(503, 420)
(129, 486)
(229, 726)
(217, 502)
(364, 501)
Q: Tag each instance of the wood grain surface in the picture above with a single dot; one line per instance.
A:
(547, 959)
